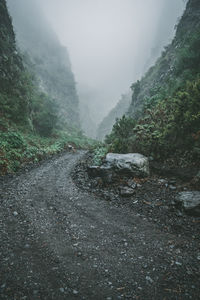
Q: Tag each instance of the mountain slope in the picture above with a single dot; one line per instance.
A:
(165, 70)
(29, 128)
(46, 58)
(163, 119)
(11, 70)
(163, 33)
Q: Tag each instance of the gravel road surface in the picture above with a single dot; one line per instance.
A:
(60, 242)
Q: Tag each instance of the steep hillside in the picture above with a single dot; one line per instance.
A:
(46, 58)
(165, 29)
(164, 117)
(164, 32)
(29, 128)
(170, 66)
(11, 70)
(118, 111)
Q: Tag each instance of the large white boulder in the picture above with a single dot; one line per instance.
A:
(190, 201)
(132, 163)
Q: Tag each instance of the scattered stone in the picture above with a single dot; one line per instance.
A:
(136, 237)
(15, 213)
(172, 187)
(190, 201)
(178, 263)
(71, 148)
(179, 213)
(126, 191)
(162, 181)
(148, 278)
(132, 184)
(104, 172)
(172, 181)
(145, 266)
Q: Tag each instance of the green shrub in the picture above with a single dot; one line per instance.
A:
(188, 57)
(167, 126)
(121, 134)
(43, 114)
(99, 153)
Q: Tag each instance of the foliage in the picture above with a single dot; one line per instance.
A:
(168, 125)
(24, 102)
(99, 153)
(188, 57)
(48, 60)
(164, 117)
(135, 87)
(44, 114)
(155, 96)
(28, 117)
(12, 145)
(121, 134)
(17, 147)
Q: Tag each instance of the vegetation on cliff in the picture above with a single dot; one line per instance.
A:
(164, 117)
(29, 127)
(46, 58)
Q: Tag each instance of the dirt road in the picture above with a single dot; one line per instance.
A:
(59, 242)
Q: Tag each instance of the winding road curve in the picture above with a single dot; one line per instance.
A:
(58, 242)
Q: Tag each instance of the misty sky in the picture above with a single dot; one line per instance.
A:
(110, 42)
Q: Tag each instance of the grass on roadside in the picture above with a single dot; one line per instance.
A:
(19, 147)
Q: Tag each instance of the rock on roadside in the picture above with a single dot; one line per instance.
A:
(190, 201)
(126, 191)
(131, 164)
(104, 172)
(134, 164)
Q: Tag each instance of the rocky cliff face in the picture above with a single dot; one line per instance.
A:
(163, 119)
(10, 62)
(46, 58)
(163, 73)
(14, 100)
(164, 32)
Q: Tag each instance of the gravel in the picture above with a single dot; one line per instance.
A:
(71, 240)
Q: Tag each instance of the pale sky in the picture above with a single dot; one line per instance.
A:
(109, 42)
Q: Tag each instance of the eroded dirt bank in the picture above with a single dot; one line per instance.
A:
(62, 242)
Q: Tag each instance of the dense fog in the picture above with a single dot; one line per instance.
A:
(111, 43)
